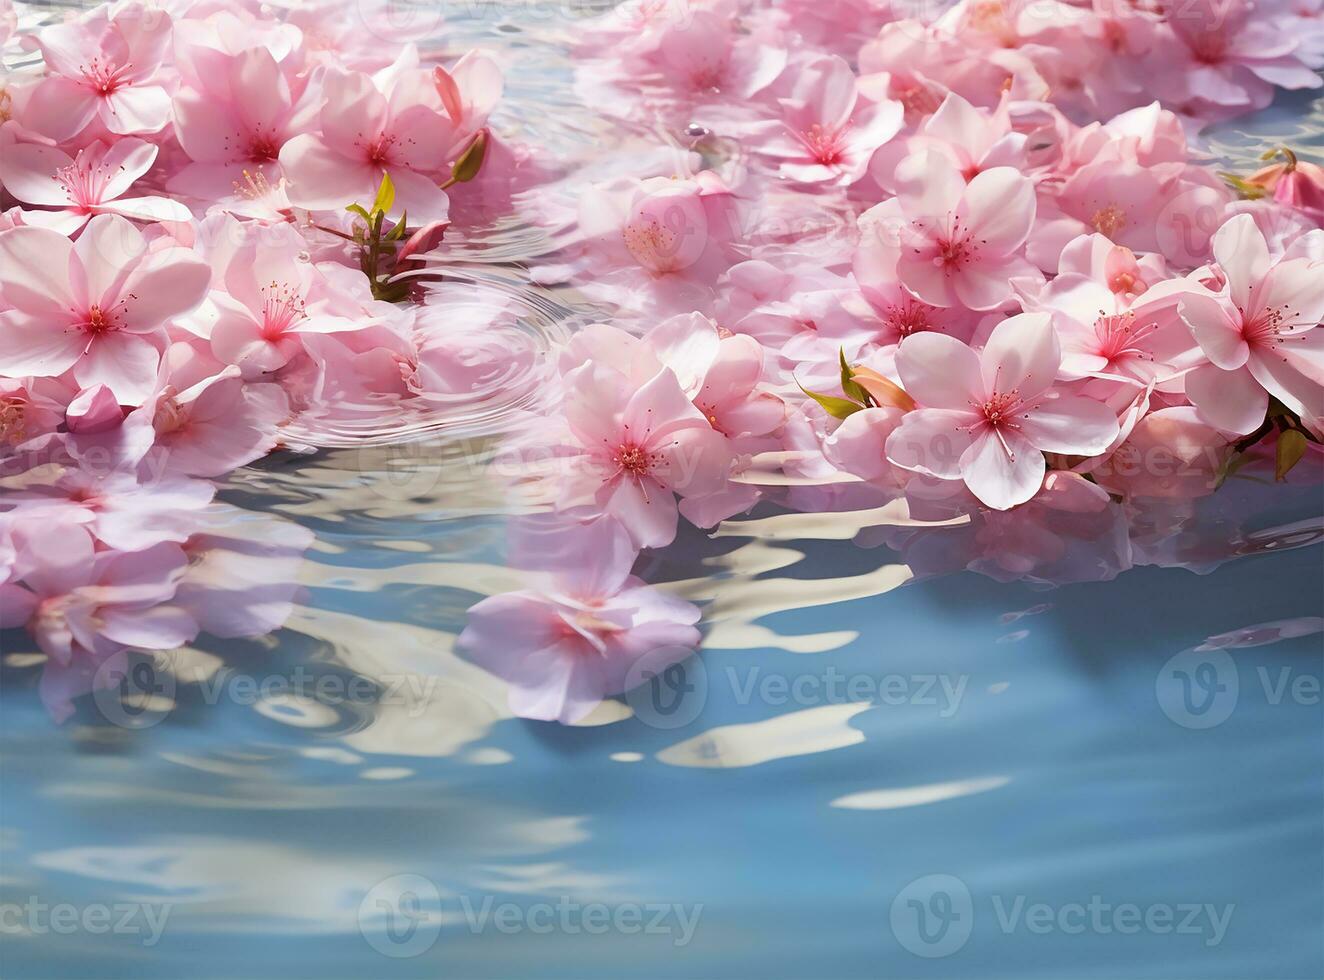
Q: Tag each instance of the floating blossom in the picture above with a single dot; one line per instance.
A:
(1261, 334)
(393, 123)
(84, 607)
(103, 69)
(585, 634)
(958, 243)
(236, 117)
(987, 418)
(827, 132)
(269, 303)
(95, 306)
(637, 447)
(92, 183)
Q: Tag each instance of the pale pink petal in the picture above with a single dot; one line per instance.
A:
(106, 250)
(123, 362)
(1002, 476)
(1070, 424)
(165, 284)
(1215, 329)
(939, 371)
(27, 171)
(1023, 354)
(136, 109)
(33, 345)
(34, 271)
(931, 441)
(1231, 400)
(60, 108)
(657, 410)
(646, 509)
(125, 161)
(321, 177)
(1000, 208)
(1241, 250)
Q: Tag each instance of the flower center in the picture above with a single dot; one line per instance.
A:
(1108, 220)
(1126, 284)
(651, 244)
(955, 247)
(1001, 411)
(263, 147)
(253, 187)
(918, 100)
(1119, 336)
(81, 182)
(907, 317)
(282, 307)
(824, 145)
(1209, 48)
(104, 77)
(380, 150)
(13, 427)
(1269, 326)
(170, 416)
(101, 321)
(633, 460)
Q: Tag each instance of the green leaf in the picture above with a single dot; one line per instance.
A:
(471, 160)
(385, 195)
(851, 389)
(1242, 187)
(359, 210)
(1291, 447)
(838, 408)
(398, 232)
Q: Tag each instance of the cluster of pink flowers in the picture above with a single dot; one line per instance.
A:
(970, 262)
(181, 276)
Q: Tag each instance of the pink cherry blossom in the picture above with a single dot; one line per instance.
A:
(92, 183)
(566, 646)
(959, 243)
(95, 306)
(636, 447)
(215, 426)
(235, 119)
(1262, 334)
(103, 69)
(987, 418)
(393, 123)
(270, 301)
(827, 132)
(1104, 337)
(1231, 54)
(83, 606)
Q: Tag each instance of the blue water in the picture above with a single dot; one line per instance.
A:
(951, 777)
